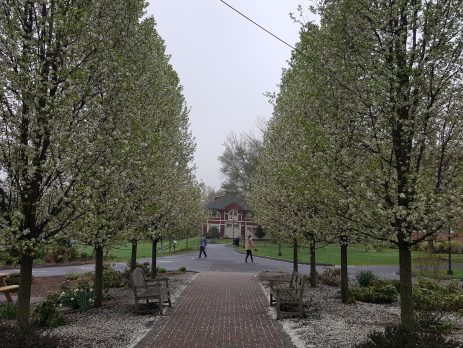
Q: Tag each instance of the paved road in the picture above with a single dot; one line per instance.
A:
(220, 258)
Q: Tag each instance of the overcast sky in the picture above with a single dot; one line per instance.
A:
(225, 64)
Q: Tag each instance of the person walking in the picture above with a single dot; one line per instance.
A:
(202, 247)
(248, 246)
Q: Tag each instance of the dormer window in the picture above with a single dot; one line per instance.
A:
(215, 214)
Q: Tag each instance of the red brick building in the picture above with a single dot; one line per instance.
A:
(230, 214)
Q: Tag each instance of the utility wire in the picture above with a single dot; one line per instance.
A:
(261, 27)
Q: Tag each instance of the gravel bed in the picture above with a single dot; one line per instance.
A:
(115, 324)
(330, 323)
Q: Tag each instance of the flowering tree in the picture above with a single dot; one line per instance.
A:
(395, 70)
(286, 185)
(52, 64)
(239, 161)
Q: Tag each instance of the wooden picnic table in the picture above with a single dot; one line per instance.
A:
(6, 289)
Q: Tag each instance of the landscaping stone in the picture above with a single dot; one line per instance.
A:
(329, 323)
(115, 324)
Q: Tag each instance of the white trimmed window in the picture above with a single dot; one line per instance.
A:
(233, 215)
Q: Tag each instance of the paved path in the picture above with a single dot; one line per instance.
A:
(219, 309)
(220, 258)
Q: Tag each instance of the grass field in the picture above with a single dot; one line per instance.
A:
(122, 252)
(357, 256)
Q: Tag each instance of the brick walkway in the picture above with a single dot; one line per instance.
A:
(219, 309)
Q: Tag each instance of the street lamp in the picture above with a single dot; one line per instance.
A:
(449, 271)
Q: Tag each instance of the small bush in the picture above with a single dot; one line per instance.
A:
(45, 313)
(213, 233)
(382, 282)
(113, 278)
(161, 270)
(395, 336)
(331, 276)
(430, 295)
(72, 276)
(83, 255)
(13, 337)
(182, 269)
(365, 277)
(7, 311)
(374, 294)
(80, 298)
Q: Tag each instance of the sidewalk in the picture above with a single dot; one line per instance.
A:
(219, 309)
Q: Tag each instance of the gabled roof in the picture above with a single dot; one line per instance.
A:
(226, 200)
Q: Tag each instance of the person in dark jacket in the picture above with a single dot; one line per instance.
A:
(202, 247)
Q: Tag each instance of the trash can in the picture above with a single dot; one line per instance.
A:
(236, 241)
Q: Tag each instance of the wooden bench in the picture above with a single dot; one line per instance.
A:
(156, 290)
(288, 294)
(7, 289)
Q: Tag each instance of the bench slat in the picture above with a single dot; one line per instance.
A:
(9, 288)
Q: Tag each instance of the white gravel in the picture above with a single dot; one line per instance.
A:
(330, 323)
(115, 324)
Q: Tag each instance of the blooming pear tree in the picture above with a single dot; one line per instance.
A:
(53, 61)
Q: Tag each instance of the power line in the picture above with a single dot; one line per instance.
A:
(257, 24)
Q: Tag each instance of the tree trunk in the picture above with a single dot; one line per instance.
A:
(133, 256)
(98, 276)
(313, 263)
(24, 294)
(153, 258)
(344, 275)
(406, 299)
(430, 245)
(295, 263)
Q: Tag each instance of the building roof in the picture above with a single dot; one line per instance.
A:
(226, 200)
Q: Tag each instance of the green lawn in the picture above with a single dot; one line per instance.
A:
(357, 256)
(123, 252)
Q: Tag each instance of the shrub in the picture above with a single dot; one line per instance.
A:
(13, 337)
(7, 311)
(331, 276)
(182, 269)
(382, 282)
(113, 278)
(72, 276)
(386, 293)
(213, 233)
(365, 277)
(161, 270)
(83, 255)
(430, 295)
(46, 314)
(260, 232)
(80, 298)
(396, 336)
(437, 304)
